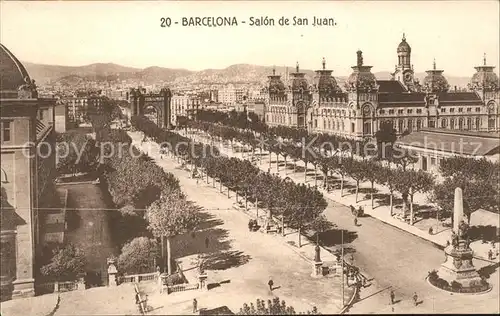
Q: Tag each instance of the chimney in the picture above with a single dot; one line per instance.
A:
(455, 88)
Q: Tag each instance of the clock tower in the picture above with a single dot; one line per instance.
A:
(404, 69)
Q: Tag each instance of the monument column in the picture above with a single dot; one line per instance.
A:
(458, 267)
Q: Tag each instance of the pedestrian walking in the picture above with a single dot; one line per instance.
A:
(415, 298)
(355, 221)
(195, 305)
(490, 254)
(206, 242)
(392, 297)
(270, 283)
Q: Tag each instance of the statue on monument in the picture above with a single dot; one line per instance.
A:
(463, 228)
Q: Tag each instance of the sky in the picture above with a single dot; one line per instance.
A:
(75, 33)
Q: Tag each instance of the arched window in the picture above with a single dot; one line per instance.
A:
(469, 123)
(367, 128)
(491, 117)
(343, 126)
(419, 125)
(452, 123)
(461, 123)
(410, 125)
(329, 124)
(401, 126)
(443, 123)
(478, 123)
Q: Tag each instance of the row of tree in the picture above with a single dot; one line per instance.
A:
(298, 205)
(364, 163)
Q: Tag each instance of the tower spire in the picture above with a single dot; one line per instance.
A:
(324, 63)
(484, 59)
(274, 70)
(404, 37)
(297, 67)
(434, 64)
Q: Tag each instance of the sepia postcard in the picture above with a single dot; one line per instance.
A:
(249, 157)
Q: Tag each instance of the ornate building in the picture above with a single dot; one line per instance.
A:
(359, 110)
(28, 148)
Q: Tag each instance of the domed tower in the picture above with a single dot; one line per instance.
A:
(403, 71)
(325, 85)
(276, 87)
(435, 82)
(300, 96)
(362, 91)
(485, 81)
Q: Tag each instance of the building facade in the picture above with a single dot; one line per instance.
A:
(184, 105)
(28, 147)
(358, 110)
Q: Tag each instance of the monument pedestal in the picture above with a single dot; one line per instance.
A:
(317, 267)
(458, 266)
(202, 281)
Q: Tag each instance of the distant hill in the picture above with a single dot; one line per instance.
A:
(239, 73)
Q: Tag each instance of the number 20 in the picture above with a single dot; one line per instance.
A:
(165, 22)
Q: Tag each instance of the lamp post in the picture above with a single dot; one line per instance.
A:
(342, 261)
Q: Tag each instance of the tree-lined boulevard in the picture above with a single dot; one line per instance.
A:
(397, 264)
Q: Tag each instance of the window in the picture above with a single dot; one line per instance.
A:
(469, 123)
(401, 126)
(410, 125)
(382, 112)
(460, 110)
(400, 111)
(391, 111)
(432, 123)
(433, 161)
(409, 111)
(452, 123)
(367, 128)
(460, 123)
(478, 123)
(419, 111)
(419, 125)
(352, 127)
(478, 109)
(6, 129)
(452, 110)
(443, 110)
(41, 115)
(469, 109)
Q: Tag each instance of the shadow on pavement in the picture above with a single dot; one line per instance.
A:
(334, 237)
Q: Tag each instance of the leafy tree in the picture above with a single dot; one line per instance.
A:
(476, 195)
(138, 256)
(385, 136)
(403, 157)
(356, 170)
(274, 307)
(387, 177)
(67, 263)
(76, 153)
(304, 205)
(410, 182)
(170, 216)
(371, 171)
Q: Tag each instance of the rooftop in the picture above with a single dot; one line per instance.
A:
(390, 86)
(456, 142)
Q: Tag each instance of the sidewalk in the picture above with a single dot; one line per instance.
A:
(380, 212)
